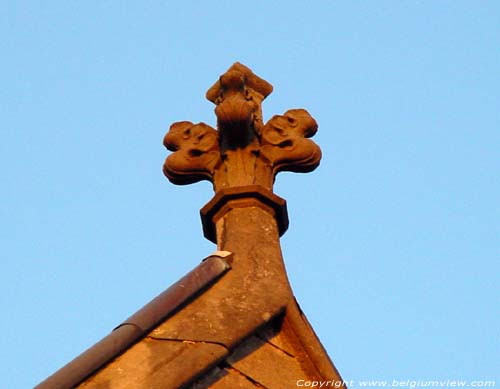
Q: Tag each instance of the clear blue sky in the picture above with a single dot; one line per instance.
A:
(393, 244)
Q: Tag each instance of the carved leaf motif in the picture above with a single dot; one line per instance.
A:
(196, 152)
(243, 151)
(285, 144)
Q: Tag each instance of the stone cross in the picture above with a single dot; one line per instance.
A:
(243, 155)
(246, 219)
(233, 321)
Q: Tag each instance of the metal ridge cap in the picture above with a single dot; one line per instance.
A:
(178, 294)
(138, 325)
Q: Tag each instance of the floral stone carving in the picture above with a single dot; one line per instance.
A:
(243, 150)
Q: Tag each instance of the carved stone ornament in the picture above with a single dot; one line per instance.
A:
(243, 150)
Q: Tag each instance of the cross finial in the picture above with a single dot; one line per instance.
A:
(243, 150)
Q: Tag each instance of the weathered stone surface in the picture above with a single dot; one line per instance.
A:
(242, 197)
(274, 357)
(253, 292)
(243, 150)
(155, 364)
(196, 152)
(266, 364)
(224, 378)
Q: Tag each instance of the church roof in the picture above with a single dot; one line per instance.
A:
(244, 348)
(233, 321)
(138, 325)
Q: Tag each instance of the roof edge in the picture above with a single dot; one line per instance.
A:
(138, 325)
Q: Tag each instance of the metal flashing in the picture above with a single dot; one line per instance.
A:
(138, 325)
